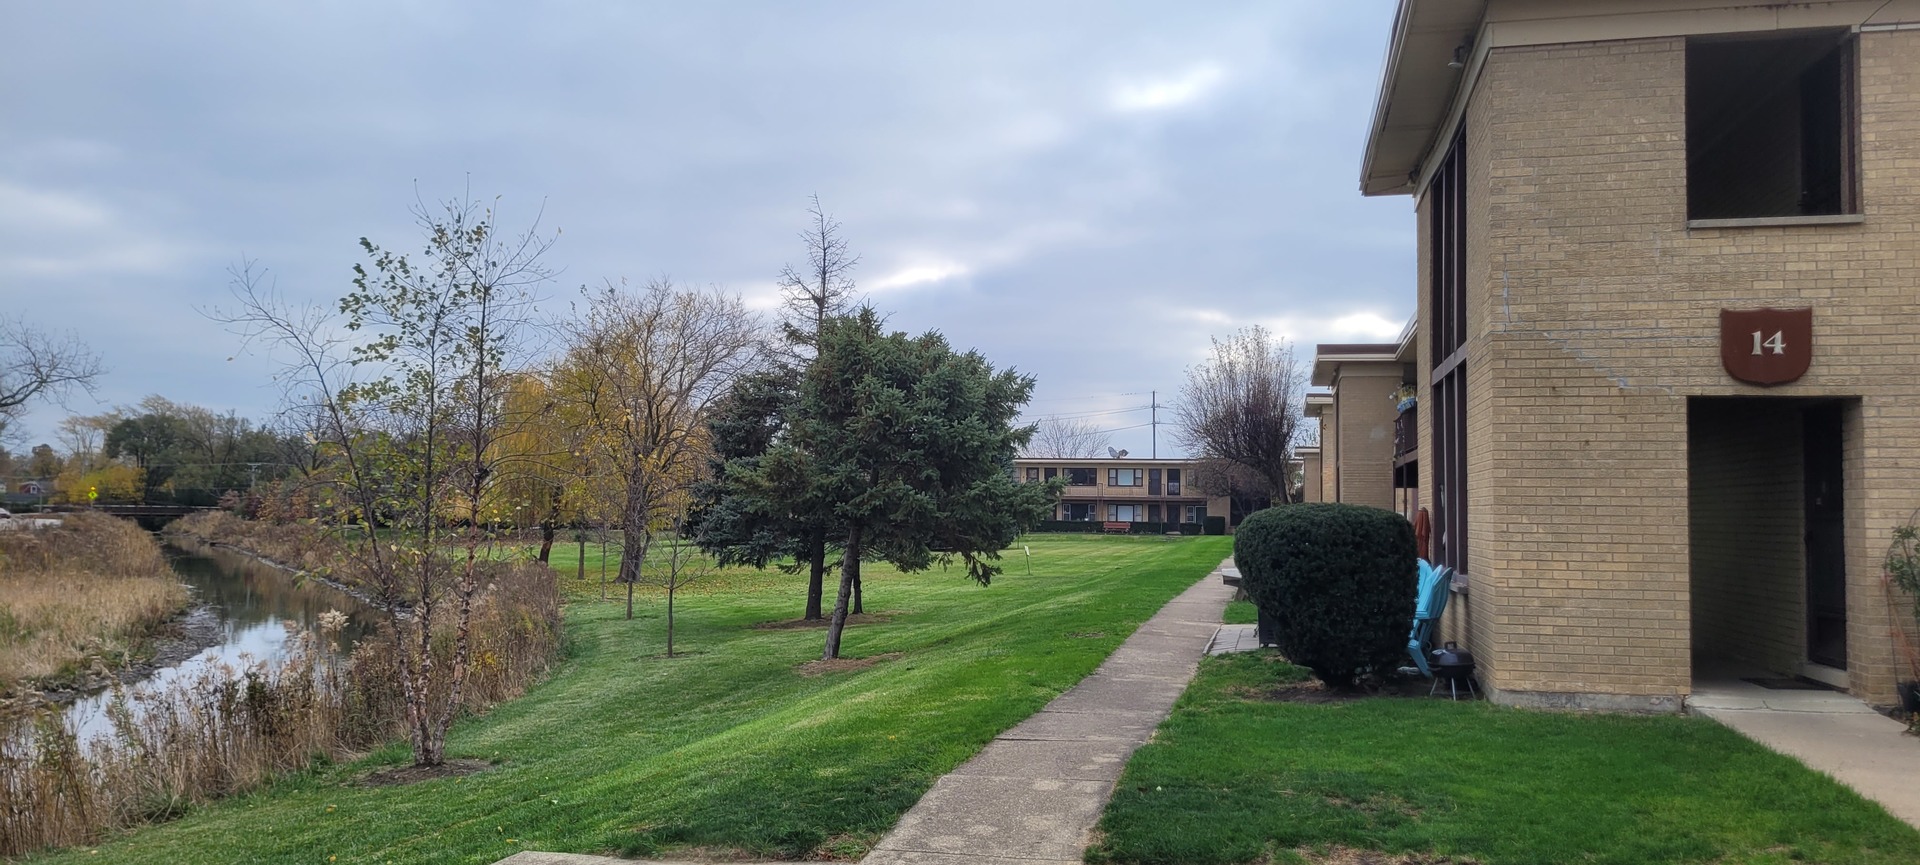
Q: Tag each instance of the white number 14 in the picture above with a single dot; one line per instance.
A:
(1777, 342)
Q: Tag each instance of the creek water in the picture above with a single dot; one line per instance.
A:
(255, 612)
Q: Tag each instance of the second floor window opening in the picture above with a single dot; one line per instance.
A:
(1772, 126)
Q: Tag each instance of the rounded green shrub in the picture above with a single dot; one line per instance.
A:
(1338, 582)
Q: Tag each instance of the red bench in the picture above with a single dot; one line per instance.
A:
(1116, 527)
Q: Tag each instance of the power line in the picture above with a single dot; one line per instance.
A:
(1088, 414)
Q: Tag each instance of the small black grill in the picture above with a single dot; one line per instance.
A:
(1453, 665)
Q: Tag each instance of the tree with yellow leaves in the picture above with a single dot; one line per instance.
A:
(643, 369)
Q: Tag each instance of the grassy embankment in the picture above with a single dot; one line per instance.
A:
(1234, 776)
(740, 745)
(77, 598)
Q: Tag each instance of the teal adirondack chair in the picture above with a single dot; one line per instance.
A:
(1435, 585)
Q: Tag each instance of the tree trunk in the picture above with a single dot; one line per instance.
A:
(848, 566)
(817, 579)
(670, 588)
(580, 569)
(629, 602)
(858, 606)
(603, 563)
(547, 531)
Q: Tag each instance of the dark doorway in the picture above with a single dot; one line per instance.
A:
(1826, 538)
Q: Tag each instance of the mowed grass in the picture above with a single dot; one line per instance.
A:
(1242, 613)
(735, 746)
(1233, 777)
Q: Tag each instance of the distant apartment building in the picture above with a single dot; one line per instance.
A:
(1665, 356)
(1365, 455)
(1124, 490)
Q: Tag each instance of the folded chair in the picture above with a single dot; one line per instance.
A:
(1435, 584)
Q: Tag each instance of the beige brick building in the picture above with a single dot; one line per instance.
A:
(1595, 182)
(1366, 454)
(1124, 490)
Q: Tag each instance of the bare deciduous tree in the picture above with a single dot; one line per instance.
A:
(1243, 406)
(35, 364)
(1068, 438)
(645, 368)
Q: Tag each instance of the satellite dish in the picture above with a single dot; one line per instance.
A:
(1122, 453)
(1113, 454)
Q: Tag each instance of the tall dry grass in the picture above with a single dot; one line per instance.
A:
(83, 593)
(303, 546)
(228, 731)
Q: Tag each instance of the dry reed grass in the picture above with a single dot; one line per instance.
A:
(80, 594)
(303, 546)
(228, 731)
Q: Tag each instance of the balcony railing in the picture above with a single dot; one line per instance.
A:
(1406, 432)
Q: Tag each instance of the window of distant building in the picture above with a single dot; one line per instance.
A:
(1033, 473)
(1196, 513)
(1772, 126)
(1123, 477)
(1124, 513)
(1077, 511)
(1082, 477)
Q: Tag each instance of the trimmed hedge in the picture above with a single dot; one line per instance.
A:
(1338, 581)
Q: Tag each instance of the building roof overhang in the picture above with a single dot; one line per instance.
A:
(1317, 403)
(1328, 357)
(1417, 84)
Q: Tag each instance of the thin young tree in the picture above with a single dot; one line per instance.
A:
(403, 389)
(680, 565)
(1243, 406)
(647, 368)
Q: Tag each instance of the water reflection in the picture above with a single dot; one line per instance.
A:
(250, 607)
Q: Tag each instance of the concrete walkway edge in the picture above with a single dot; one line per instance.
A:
(1034, 794)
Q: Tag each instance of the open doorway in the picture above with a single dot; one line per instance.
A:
(1767, 537)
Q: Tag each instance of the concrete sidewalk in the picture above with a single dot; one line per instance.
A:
(1829, 731)
(1033, 794)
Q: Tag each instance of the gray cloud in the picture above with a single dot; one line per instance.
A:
(1086, 191)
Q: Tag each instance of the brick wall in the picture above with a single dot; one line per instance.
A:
(1595, 316)
(1365, 428)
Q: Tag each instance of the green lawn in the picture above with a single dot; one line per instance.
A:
(1242, 613)
(1231, 777)
(730, 747)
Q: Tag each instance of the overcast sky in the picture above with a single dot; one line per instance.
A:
(1084, 191)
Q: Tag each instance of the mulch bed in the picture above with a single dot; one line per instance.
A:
(413, 774)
